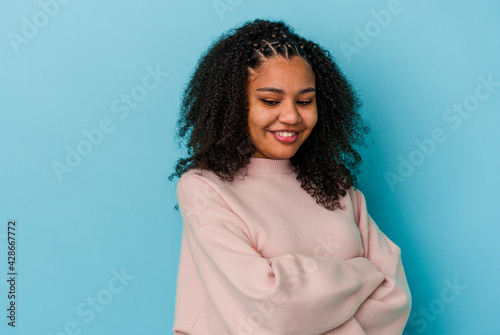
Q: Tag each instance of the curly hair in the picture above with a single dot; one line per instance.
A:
(214, 111)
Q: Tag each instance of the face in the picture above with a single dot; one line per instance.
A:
(282, 106)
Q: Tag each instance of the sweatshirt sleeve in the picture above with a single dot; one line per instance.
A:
(289, 294)
(386, 310)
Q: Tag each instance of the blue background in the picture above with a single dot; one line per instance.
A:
(114, 213)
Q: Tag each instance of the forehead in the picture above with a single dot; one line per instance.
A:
(281, 73)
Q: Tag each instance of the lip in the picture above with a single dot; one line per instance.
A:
(286, 130)
(284, 139)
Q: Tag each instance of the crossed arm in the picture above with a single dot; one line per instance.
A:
(295, 293)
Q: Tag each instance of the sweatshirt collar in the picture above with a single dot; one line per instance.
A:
(269, 166)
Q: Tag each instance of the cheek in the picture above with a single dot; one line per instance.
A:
(254, 126)
(257, 121)
(312, 119)
(310, 123)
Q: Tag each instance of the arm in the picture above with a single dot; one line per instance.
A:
(386, 310)
(290, 294)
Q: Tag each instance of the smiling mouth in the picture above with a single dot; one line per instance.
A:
(285, 136)
(285, 133)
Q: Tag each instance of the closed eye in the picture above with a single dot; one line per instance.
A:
(304, 102)
(270, 102)
(273, 102)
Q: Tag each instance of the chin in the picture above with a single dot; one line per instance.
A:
(283, 155)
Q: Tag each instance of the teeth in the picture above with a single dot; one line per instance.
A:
(285, 134)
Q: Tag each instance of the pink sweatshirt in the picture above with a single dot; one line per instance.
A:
(260, 256)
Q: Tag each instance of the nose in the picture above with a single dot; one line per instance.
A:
(289, 114)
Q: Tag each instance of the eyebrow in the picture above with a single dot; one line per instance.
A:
(280, 91)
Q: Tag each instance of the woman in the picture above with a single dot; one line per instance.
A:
(276, 238)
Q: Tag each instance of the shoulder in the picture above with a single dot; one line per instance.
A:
(193, 182)
(190, 178)
(196, 179)
(203, 199)
(358, 202)
(199, 189)
(356, 196)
